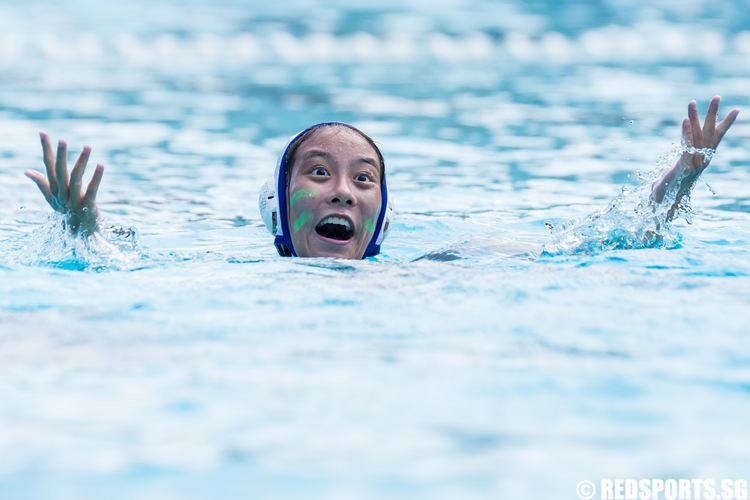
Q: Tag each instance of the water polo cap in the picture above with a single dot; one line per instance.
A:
(273, 204)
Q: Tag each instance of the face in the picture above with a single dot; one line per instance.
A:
(333, 199)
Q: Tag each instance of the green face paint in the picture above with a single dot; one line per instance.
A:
(370, 224)
(301, 193)
(302, 219)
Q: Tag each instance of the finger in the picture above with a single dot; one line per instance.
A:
(695, 124)
(61, 170)
(727, 122)
(710, 124)
(76, 176)
(687, 133)
(49, 161)
(91, 190)
(41, 181)
(687, 141)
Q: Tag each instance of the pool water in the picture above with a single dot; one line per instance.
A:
(189, 361)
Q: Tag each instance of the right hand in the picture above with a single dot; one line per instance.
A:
(65, 195)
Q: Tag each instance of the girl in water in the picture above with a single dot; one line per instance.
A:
(329, 196)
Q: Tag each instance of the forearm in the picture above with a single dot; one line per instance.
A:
(680, 176)
(662, 184)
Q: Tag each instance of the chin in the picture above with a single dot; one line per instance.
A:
(348, 251)
(342, 254)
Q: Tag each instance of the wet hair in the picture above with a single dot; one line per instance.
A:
(292, 149)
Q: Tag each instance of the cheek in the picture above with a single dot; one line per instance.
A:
(301, 202)
(299, 222)
(370, 212)
(370, 225)
(300, 195)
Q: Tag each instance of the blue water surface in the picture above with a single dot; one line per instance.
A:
(189, 361)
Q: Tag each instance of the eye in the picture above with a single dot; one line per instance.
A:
(319, 171)
(363, 178)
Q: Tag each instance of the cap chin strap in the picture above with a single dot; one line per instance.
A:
(273, 209)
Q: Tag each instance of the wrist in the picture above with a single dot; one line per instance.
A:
(87, 223)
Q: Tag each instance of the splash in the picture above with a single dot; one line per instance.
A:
(52, 244)
(630, 221)
(708, 153)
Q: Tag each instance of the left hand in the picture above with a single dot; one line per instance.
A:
(707, 137)
(691, 165)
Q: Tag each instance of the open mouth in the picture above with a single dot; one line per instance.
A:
(335, 228)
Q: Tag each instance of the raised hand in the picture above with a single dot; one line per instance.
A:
(64, 194)
(708, 137)
(700, 145)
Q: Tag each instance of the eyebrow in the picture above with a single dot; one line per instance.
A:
(324, 154)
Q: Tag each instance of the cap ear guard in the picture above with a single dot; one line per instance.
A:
(387, 221)
(268, 203)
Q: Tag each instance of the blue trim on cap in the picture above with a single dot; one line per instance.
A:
(283, 241)
(373, 248)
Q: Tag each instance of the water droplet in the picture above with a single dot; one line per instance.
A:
(632, 122)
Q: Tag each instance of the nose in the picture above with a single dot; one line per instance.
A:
(342, 193)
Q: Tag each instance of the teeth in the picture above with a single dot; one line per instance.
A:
(337, 220)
